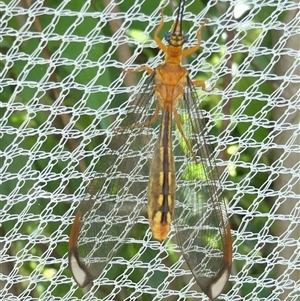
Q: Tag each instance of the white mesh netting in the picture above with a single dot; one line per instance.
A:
(62, 89)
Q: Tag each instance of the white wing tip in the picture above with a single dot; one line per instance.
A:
(216, 288)
(79, 272)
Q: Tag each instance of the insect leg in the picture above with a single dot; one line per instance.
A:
(196, 47)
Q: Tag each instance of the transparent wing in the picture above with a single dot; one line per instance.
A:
(116, 195)
(201, 219)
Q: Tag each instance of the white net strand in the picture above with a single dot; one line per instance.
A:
(63, 91)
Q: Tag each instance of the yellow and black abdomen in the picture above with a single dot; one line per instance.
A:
(161, 189)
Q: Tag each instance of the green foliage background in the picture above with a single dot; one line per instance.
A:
(44, 208)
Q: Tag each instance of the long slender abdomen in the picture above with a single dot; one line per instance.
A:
(161, 189)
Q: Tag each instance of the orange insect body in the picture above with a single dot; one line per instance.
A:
(170, 82)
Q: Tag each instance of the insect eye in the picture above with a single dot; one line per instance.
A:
(168, 36)
(185, 38)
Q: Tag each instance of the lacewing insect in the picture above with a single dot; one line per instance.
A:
(116, 193)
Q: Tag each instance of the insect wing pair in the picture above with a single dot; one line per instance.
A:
(117, 193)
